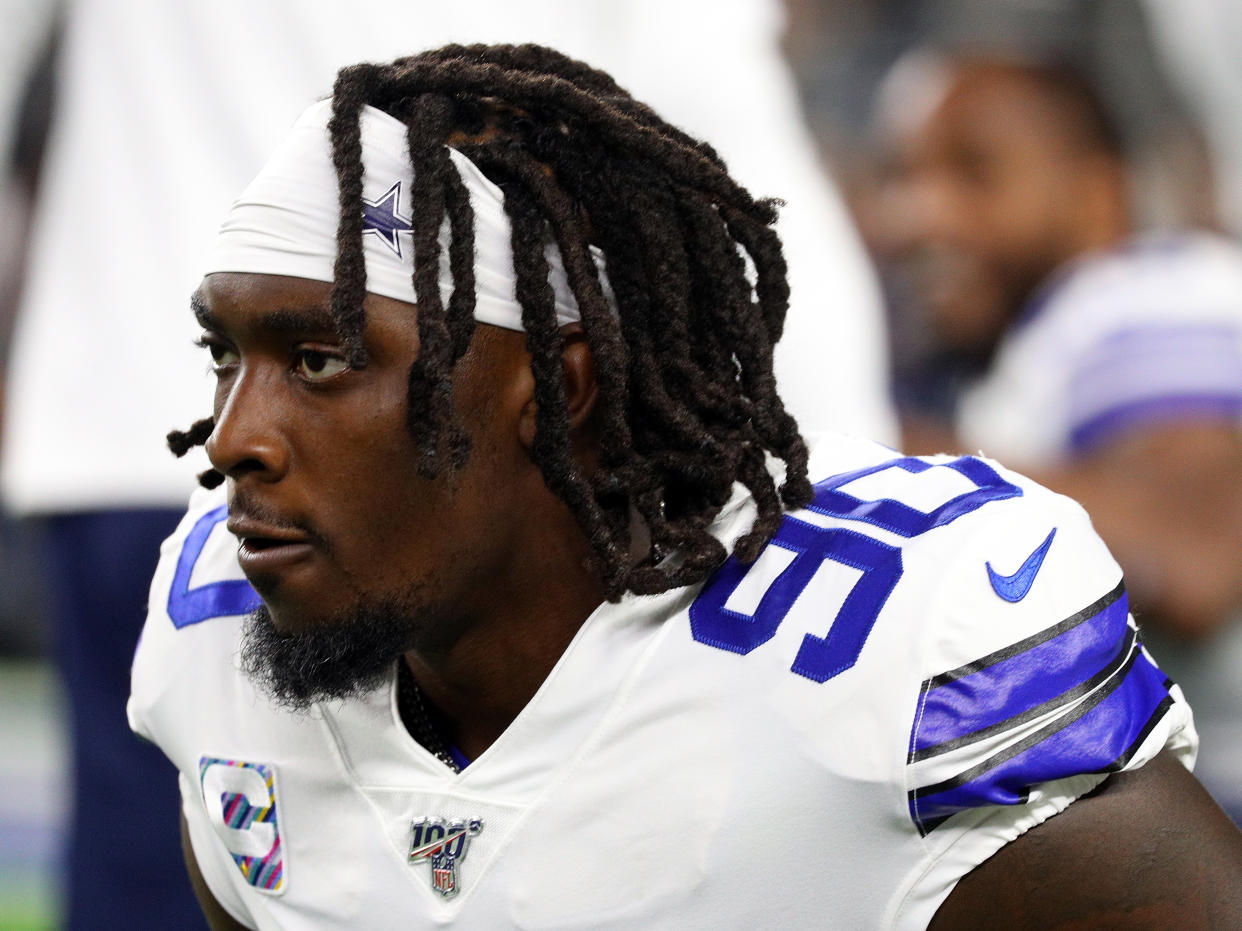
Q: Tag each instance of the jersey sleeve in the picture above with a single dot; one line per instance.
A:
(1036, 687)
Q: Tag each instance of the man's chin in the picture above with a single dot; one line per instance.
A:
(288, 620)
(286, 612)
(298, 661)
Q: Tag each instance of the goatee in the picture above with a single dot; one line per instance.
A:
(341, 658)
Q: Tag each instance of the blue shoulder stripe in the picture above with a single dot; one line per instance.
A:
(187, 605)
(1022, 681)
(1098, 734)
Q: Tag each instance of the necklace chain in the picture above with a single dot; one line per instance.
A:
(418, 719)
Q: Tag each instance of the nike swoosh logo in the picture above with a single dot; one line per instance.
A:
(1013, 588)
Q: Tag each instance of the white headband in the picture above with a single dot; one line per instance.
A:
(285, 222)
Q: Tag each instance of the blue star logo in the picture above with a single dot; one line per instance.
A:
(380, 217)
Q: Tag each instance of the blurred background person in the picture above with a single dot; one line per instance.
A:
(1103, 360)
(1159, 66)
(1108, 361)
(26, 52)
(162, 112)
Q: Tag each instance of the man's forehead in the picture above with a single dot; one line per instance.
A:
(216, 304)
(914, 89)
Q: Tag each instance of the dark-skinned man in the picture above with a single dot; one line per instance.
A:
(526, 605)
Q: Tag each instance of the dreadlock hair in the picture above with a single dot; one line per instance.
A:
(687, 396)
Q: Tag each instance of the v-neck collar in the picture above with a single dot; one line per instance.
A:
(569, 706)
(587, 682)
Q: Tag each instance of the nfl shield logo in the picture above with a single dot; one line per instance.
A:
(443, 881)
(443, 843)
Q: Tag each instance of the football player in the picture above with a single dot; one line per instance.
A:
(525, 603)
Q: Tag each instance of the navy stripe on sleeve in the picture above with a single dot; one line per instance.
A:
(1078, 702)
(1021, 681)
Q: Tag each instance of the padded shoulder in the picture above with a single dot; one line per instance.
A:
(983, 634)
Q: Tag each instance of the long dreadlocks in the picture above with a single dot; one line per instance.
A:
(687, 396)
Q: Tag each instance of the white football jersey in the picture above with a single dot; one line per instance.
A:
(1148, 332)
(930, 659)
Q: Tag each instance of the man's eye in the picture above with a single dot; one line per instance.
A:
(314, 365)
(222, 356)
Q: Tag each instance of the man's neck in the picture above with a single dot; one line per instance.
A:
(481, 682)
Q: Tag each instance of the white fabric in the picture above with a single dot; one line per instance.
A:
(655, 780)
(167, 110)
(285, 222)
(1150, 331)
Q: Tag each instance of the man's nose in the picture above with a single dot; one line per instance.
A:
(248, 438)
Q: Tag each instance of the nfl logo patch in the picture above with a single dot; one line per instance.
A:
(443, 844)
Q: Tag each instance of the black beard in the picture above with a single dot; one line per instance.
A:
(343, 658)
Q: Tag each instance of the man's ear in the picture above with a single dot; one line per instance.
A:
(578, 370)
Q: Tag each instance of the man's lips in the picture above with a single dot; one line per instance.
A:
(265, 548)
